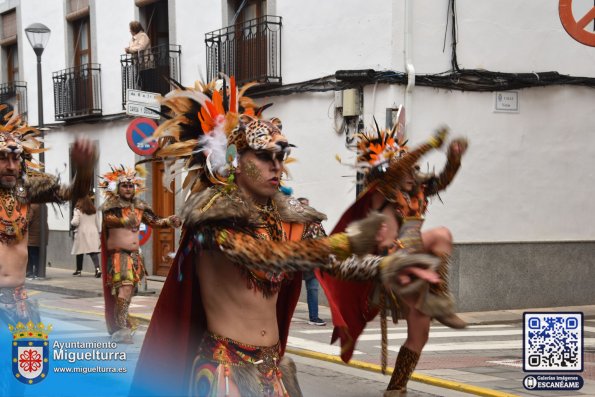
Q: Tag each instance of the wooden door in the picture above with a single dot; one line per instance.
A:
(251, 41)
(163, 239)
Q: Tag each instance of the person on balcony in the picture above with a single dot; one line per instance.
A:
(140, 41)
(142, 58)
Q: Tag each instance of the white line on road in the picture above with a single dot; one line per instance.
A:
(446, 334)
(325, 348)
(330, 330)
(485, 345)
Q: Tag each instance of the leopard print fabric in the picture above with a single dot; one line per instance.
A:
(257, 134)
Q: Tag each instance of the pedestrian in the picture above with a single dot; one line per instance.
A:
(312, 287)
(221, 324)
(34, 241)
(122, 263)
(85, 219)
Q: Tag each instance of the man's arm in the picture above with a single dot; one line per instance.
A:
(153, 220)
(45, 188)
(253, 253)
(456, 149)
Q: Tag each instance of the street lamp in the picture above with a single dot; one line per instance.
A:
(38, 36)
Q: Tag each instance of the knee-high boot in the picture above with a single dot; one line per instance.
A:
(404, 366)
(123, 334)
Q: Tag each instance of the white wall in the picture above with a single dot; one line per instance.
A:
(526, 176)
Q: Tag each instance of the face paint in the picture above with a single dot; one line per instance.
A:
(252, 171)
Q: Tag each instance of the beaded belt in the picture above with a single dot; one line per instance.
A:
(9, 296)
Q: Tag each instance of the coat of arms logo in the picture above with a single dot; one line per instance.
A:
(30, 351)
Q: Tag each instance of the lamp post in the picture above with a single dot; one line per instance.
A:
(38, 36)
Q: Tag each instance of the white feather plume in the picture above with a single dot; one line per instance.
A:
(214, 144)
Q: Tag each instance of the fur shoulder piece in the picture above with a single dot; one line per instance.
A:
(291, 210)
(217, 204)
(38, 186)
(118, 202)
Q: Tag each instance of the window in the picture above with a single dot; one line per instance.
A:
(82, 42)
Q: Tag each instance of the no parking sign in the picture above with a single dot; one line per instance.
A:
(137, 133)
(144, 233)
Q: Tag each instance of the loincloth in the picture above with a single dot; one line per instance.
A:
(124, 268)
(225, 366)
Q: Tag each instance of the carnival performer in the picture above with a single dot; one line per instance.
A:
(222, 320)
(122, 264)
(394, 187)
(22, 184)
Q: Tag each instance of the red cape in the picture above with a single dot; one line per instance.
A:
(349, 300)
(178, 323)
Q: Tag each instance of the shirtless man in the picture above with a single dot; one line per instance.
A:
(122, 263)
(18, 190)
(222, 320)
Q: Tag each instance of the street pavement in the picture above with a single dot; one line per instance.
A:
(484, 359)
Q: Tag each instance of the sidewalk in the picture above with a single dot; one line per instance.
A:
(87, 286)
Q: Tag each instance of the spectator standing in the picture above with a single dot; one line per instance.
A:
(34, 241)
(86, 237)
(312, 287)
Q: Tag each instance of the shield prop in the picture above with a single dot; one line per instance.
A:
(30, 360)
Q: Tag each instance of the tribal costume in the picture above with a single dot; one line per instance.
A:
(19, 141)
(270, 245)
(122, 267)
(385, 160)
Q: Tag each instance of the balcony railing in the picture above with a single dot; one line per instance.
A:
(14, 94)
(147, 70)
(250, 51)
(77, 92)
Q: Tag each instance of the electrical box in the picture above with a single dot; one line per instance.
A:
(338, 99)
(351, 103)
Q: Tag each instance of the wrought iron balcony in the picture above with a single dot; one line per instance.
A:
(250, 51)
(14, 94)
(77, 92)
(148, 69)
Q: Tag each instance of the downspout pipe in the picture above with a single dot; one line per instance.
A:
(409, 67)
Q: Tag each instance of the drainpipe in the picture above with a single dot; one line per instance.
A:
(409, 68)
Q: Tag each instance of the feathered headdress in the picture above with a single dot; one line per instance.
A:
(376, 149)
(18, 138)
(110, 181)
(207, 127)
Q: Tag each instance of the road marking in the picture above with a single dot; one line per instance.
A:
(330, 330)
(508, 363)
(485, 345)
(446, 334)
(324, 348)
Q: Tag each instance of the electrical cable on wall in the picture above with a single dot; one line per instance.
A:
(475, 80)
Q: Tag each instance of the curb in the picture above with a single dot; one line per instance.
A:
(430, 380)
(63, 290)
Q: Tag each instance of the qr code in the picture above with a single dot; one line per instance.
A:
(553, 342)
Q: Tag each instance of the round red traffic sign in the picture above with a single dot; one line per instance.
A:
(577, 29)
(144, 233)
(137, 135)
